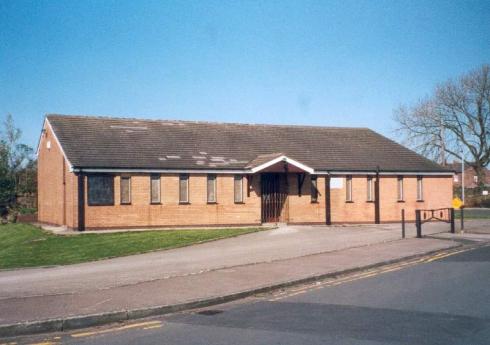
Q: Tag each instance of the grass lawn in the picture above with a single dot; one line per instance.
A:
(473, 213)
(24, 245)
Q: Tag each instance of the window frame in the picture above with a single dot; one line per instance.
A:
(370, 189)
(89, 201)
(420, 189)
(241, 199)
(348, 189)
(154, 177)
(121, 178)
(400, 193)
(314, 189)
(184, 177)
(214, 178)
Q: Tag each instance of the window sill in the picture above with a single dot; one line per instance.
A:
(125, 204)
(314, 202)
(155, 203)
(212, 203)
(349, 202)
(184, 203)
(400, 201)
(239, 202)
(420, 200)
(370, 201)
(97, 205)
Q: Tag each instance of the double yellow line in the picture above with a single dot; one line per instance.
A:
(142, 325)
(362, 275)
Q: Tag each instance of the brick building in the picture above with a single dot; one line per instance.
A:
(100, 172)
(470, 178)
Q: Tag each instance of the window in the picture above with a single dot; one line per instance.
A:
(211, 188)
(184, 189)
(125, 190)
(420, 189)
(456, 178)
(348, 189)
(238, 188)
(155, 189)
(400, 188)
(370, 195)
(100, 190)
(475, 179)
(314, 189)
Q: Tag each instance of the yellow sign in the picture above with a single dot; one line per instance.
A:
(457, 203)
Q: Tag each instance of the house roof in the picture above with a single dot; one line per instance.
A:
(456, 167)
(122, 143)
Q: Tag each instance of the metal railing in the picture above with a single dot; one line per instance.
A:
(445, 215)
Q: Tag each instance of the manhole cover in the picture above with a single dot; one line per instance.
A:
(210, 312)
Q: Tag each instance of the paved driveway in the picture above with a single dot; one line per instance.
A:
(277, 244)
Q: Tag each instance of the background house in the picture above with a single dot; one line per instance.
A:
(470, 178)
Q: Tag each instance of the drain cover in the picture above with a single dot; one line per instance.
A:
(210, 312)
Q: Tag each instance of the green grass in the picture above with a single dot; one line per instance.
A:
(24, 245)
(473, 213)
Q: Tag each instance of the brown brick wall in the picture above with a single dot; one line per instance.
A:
(301, 209)
(359, 210)
(56, 184)
(170, 213)
(437, 192)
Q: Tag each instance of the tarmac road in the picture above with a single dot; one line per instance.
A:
(443, 300)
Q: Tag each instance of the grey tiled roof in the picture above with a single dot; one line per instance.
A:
(104, 142)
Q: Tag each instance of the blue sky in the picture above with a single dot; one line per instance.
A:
(345, 63)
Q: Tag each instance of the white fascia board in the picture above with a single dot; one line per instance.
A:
(163, 171)
(40, 137)
(46, 122)
(385, 173)
(283, 159)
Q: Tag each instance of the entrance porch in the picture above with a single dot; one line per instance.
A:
(289, 191)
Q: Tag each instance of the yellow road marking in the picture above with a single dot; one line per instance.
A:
(370, 273)
(153, 327)
(121, 328)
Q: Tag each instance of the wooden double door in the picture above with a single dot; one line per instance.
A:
(274, 193)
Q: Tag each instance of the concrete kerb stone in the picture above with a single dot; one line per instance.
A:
(12, 330)
(77, 322)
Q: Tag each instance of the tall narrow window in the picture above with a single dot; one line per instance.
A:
(125, 190)
(155, 189)
(348, 188)
(370, 189)
(211, 188)
(420, 189)
(100, 190)
(238, 188)
(184, 189)
(400, 188)
(314, 189)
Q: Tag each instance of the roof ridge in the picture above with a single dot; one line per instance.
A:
(110, 117)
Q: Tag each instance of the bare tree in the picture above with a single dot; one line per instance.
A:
(454, 119)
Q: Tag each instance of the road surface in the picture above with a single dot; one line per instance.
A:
(444, 300)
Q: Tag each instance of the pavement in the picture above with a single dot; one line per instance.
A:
(438, 300)
(165, 281)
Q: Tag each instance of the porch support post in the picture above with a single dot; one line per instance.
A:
(328, 208)
(301, 180)
(249, 184)
(81, 202)
(376, 198)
